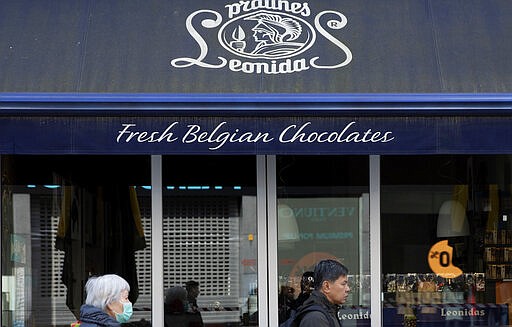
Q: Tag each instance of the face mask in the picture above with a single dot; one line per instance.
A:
(127, 313)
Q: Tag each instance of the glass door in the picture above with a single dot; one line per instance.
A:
(322, 213)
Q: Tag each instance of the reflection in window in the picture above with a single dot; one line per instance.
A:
(63, 221)
(210, 240)
(445, 227)
(322, 214)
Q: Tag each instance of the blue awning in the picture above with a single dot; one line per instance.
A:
(195, 47)
(181, 76)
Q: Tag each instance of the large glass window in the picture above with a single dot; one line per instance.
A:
(446, 240)
(322, 210)
(64, 219)
(210, 241)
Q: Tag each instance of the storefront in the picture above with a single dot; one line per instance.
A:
(236, 144)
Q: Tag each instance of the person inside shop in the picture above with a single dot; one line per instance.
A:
(306, 288)
(106, 303)
(286, 301)
(331, 291)
(176, 309)
(192, 288)
(193, 292)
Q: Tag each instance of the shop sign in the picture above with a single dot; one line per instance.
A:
(254, 135)
(440, 260)
(266, 37)
(449, 315)
(355, 316)
(222, 134)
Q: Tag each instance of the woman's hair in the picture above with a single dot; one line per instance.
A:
(328, 270)
(103, 290)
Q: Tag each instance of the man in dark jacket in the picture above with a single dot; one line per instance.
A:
(331, 291)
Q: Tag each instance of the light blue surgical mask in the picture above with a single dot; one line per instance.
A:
(127, 313)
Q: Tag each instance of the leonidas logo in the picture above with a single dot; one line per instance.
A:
(440, 260)
(275, 36)
(266, 37)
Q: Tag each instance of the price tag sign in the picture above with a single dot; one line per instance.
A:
(440, 260)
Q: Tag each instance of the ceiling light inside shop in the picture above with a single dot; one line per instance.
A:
(452, 220)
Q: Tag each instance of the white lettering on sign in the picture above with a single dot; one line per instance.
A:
(303, 134)
(128, 135)
(354, 315)
(218, 136)
(281, 5)
(460, 312)
(266, 37)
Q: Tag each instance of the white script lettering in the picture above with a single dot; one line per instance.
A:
(282, 5)
(220, 136)
(294, 133)
(143, 136)
(287, 66)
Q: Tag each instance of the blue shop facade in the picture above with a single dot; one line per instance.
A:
(236, 144)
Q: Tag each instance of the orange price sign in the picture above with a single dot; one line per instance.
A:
(440, 260)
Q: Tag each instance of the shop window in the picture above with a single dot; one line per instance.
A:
(64, 219)
(210, 241)
(446, 227)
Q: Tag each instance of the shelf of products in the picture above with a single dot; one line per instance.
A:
(427, 299)
(498, 254)
(429, 288)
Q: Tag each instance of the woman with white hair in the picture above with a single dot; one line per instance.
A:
(106, 303)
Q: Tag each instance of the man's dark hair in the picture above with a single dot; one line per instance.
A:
(191, 283)
(328, 270)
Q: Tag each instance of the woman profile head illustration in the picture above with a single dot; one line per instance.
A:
(274, 34)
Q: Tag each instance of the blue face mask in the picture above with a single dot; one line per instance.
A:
(127, 313)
